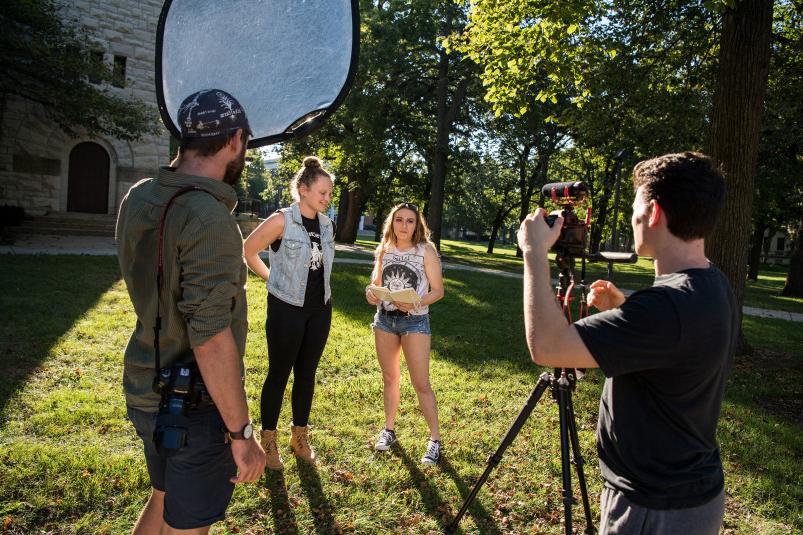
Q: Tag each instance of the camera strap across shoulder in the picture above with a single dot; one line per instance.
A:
(160, 274)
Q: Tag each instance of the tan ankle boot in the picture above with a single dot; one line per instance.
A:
(268, 440)
(299, 443)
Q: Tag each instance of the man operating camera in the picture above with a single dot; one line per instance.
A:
(665, 351)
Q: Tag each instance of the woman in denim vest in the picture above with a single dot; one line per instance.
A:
(406, 258)
(301, 248)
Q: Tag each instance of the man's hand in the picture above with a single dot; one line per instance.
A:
(249, 458)
(534, 233)
(604, 295)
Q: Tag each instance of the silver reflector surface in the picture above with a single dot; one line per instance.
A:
(290, 63)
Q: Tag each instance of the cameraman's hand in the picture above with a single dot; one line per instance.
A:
(249, 458)
(536, 235)
(604, 295)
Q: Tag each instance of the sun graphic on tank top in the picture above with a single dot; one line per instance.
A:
(316, 257)
(397, 280)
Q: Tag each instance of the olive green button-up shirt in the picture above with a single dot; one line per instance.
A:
(204, 274)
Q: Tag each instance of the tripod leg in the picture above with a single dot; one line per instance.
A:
(563, 413)
(578, 464)
(512, 432)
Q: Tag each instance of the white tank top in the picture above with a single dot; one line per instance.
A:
(405, 269)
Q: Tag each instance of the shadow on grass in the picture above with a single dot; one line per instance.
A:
(484, 522)
(284, 520)
(41, 300)
(761, 430)
(436, 508)
(320, 508)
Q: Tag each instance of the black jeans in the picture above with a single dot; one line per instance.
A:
(296, 338)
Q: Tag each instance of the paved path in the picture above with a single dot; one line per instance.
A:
(102, 246)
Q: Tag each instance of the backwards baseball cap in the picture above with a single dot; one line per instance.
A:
(211, 113)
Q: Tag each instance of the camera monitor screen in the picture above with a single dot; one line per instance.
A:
(290, 63)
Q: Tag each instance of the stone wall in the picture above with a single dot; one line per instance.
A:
(34, 153)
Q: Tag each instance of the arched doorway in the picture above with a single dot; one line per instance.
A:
(88, 179)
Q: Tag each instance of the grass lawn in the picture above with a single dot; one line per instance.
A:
(762, 293)
(70, 461)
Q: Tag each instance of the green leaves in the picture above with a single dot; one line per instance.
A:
(57, 64)
(528, 49)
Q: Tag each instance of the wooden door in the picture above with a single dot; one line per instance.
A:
(88, 179)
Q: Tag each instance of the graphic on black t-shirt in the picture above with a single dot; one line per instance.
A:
(398, 277)
(316, 254)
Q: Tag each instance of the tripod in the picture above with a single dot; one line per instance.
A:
(561, 382)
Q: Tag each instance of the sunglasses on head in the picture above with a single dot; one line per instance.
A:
(409, 206)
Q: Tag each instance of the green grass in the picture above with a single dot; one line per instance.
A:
(71, 463)
(762, 293)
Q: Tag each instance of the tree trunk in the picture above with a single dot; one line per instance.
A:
(342, 212)
(754, 258)
(524, 191)
(379, 222)
(347, 226)
(501, 214)
(440, 154)
(494, 230)
(794, 279)
(602, 210)
(446, 116)
(736, 120)
(528, 189)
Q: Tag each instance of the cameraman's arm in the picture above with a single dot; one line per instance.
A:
(552, 341)
(219, 362)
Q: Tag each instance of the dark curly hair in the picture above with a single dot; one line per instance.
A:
(689, 188)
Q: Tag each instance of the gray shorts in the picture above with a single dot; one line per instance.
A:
(402, 325)
(196, 479)
(620, 516)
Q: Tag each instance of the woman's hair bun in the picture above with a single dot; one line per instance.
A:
(311, 162)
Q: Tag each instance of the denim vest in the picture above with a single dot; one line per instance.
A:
(289, 266)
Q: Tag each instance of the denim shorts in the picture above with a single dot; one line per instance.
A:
(196, 479)
(401, 325)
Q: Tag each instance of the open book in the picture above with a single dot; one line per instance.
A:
(408, 295)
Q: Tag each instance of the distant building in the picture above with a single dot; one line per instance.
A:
(44, 170)
(777, 248)
(272, 164)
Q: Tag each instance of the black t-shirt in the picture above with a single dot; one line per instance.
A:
(666, 353)
(315, 293)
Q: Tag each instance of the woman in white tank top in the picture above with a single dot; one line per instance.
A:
(406, 258)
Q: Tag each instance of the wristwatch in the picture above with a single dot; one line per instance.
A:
(244, 434)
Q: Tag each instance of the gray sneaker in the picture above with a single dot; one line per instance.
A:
(386, 439)
(433, 454)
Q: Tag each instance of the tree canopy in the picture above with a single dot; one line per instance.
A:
(469, 107)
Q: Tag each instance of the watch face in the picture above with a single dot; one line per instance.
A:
(248, 431)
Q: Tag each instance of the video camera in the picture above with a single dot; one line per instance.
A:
(572, 240)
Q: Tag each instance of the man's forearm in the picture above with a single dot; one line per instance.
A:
(542, 316)
(219, 362)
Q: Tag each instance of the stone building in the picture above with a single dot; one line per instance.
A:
(46, 171)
